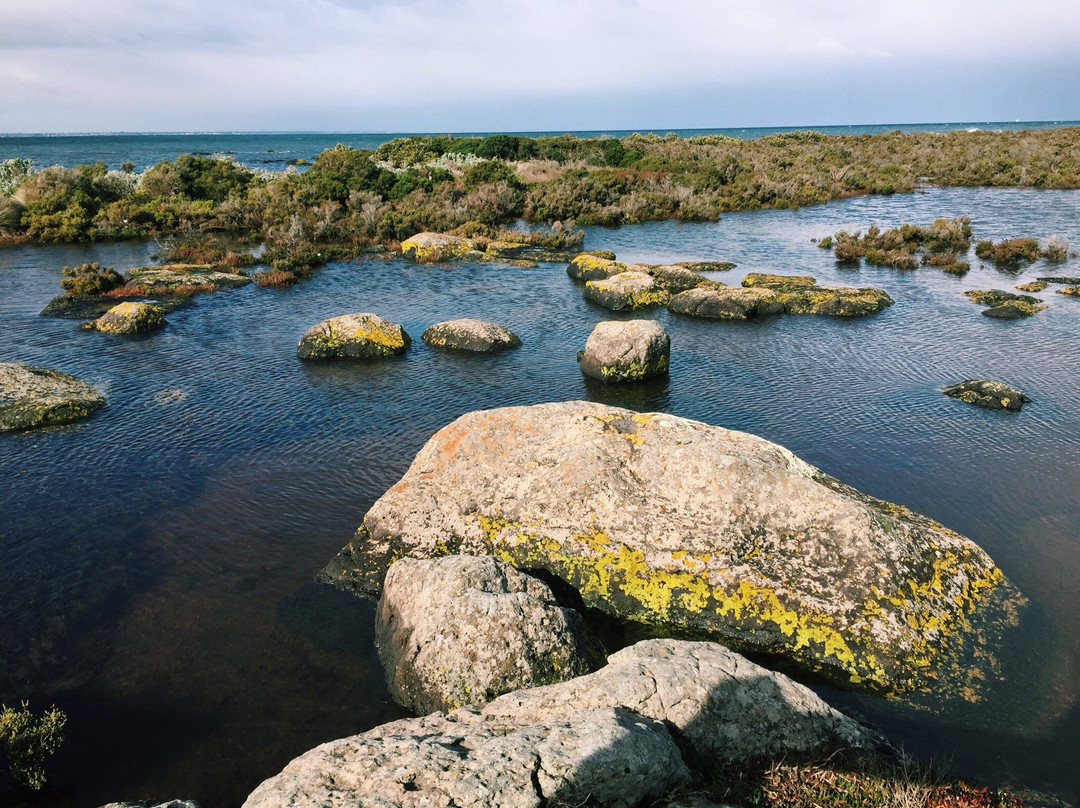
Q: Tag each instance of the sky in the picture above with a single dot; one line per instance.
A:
(531, 65)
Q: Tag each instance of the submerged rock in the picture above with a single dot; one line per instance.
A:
(682, 525)
(626, 351)
(1005, 305)
(462, 630)
(130, 318)
(32, 396)
(431, 248)
(353, 336)
(626, 291)
(988, 394)
(610, 757)
(471, 335)
(1061, 279)
(707, 266)
(90, 307)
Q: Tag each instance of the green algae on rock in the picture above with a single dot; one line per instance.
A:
(353, 336)
(1005, 305)
(433, 248)
(595, 266)
(687, 527)
(33, 396)
(774, 294)
(988, 394)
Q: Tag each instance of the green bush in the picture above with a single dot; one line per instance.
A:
(91, 279)
(29, 741)
(13, 173)
(1009, 253)
(487, 172)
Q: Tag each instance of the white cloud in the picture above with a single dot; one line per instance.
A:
(165, 60)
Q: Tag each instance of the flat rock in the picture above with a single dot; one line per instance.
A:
(682, 525)
(131, 317)
(781, 283)
(353, 336)
(471, 335)
(988, 394)
(1005, 305)
(708, 266)
(171, 279)
(627, 291)
(834, 301)
(676, 278)
(721, 707)
(431, 248)
(462, 630)
(33, 396)
(1060, 279)
(90, 307)
(626, 351)
(610, 757)
(718, 302)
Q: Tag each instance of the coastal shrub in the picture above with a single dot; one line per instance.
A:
(826, 243)
(30, 740)
(1055, 251)
(1009, 253)
(13, 173)
(196, 178)
(90, 279)
(204, 251)
(10, 214)
(403, 152)
(487, 172)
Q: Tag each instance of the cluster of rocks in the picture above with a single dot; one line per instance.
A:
(128, 318)
(1005, 305)
(434, 248)
(369, 336)
(988, 394)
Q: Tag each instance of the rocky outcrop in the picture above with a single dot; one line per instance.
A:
(32, 397)
(675, 278)
(433, 248)
(779, 283)
(626, 351)
(90, 307)
(718, 302)
(613, 738)
(679, 524)
(627, 291)
(707, 266)
(353, 336)
(129, 318)
(610, 757)
(1004, 305)
(1033, 286)
(1070, 291)
(988, 394)
(596, 266)
(172, 279)
(462, 630)
(471, 335)
(721, 707)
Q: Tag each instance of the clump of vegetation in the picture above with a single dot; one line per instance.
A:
(1056, 250)
(91, 279)
(13, 173)
(11, 213)
(205, 251)
(947, 262)
(1009, 253)
(898, 247)
(29, 740)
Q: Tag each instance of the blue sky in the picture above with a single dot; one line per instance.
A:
(418, 65)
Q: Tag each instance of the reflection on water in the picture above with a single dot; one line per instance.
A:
(156, 560)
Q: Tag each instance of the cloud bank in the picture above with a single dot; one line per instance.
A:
(396, 65)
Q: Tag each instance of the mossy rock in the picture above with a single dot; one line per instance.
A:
(1005, 305)
(33, 397)
(988, 394)
(627, 291)
(171, 279)
(1070, 291)
(718, 302)
(590, 266)
(353, 336)
(676, 278)
(474, 336)
(433, 248)
(693, 528)
(834, 301)
(623, 351)
(707, 266)
(779, 283)
(131, 317)
(1034, 286)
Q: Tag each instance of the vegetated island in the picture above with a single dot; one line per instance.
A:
(350, 202)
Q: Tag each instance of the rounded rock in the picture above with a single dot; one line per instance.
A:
(353, 336)
(471, 335)
(131, 317)
(626, 351)
(627, 291)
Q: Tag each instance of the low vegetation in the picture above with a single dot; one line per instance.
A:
(351, 201)
(91, 279)
(30, 740)
(1018, 252)
(938, 244)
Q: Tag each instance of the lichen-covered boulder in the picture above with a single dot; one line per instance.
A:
(431, 248)
(988, 394)
(471, 335)
(707, 266)
(676, 278)
(595, 265)
(171, 279)
(680, 524)
(131, 317)
(353, 336)
(1033, 286)
(32, 397)
(722, 708)
(718, 302)
(626, 351)
(834, 301)
(1005, 305)
(627, 291)
(462, 630)
(780, 283)
(610, 757)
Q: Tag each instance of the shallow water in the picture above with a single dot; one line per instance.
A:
(156, 560)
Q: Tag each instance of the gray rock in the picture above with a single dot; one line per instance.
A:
(32, 397)
(627, 291)
(720, 706)
(680, 524)
(154, 804)
(131, 317)
(471, 335)
(612, 757)
(988, 394)
(626, 351)
(717, 302)
(353, 336)
(183, 278)
(677, 278)
(462, 630)
(595, 265)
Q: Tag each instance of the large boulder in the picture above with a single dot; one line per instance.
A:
(431, 248)
(718, 302)
(626, 351)
(610, 757)
(627, 291)
(32, 397)
(462, 630)
(467, 334)
(683, 525)
(353, 336)
(721, 707)
(131, 317)
(988, 394)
